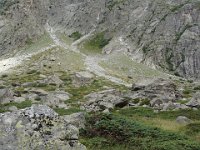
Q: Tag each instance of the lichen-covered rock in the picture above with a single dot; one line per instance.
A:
(38, 127)
(55, 99)
(108, 99)
(82, 78)
(160, 93)
(195, 101)
(6, 95)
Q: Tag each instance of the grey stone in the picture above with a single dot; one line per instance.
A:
(38, 127)
(183, 120)
(6, 95)
(195, 101)
(108, 99)
(82, 78)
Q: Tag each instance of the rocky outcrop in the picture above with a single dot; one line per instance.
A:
(104, 101)
(38, 127)
(6, 95)
(195, 101)
(161, 94)
(82, 78)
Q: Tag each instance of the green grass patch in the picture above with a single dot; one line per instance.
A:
(21, 105)
(95, 45)
(148, 112)
(122, 66)
(193, 128)
(76, 35)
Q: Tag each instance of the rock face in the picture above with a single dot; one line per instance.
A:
(21, 21)
(104, 100)
(162, 34)
(38, 127)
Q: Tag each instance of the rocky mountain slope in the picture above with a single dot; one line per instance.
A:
(161, 34)
(90, 74)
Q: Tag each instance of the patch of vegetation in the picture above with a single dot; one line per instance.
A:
(144, 102)
(149, 113)
(179, 34)
(136, 100)
(76, 35)
(132, 135)
(182, 101)
(96, 44)
(62, 111)
(146, 49)
(197, 88)
(178, 7)
(29, 41)
(78, 93)
(193, 128)
(4, 76)
(187, 93)
(21, 105)
(122, 66)
(168, 57)
(112, 3)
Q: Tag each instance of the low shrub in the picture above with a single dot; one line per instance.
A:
(133, 135)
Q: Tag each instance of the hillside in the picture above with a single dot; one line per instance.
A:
(90, 74)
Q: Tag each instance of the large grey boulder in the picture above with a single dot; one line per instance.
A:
(195, 101)
(108, 99)
(183, 120)
(56, 99)
(38, 127)
(158, 92)
(51, 80)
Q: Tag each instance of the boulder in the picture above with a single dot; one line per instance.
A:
(19, 99)
(195, 101)
(56, 99)
(108, 99)
(76, 119)
(183, 120)
(6, 96)
(159, 92)
(38, 127)
(82, 78)
(54, 80)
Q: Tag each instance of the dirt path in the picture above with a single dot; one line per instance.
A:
(91, 62)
